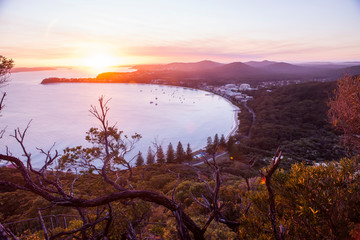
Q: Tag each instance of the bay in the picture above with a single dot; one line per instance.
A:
(59, 113)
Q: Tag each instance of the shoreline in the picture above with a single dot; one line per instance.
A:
(236, 122)
(236, 109)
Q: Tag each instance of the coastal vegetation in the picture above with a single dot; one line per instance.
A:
(308, 190)
(294, 117)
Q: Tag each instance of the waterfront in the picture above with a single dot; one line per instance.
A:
(59, 112)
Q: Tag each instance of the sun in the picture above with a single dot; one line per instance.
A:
(99, 62)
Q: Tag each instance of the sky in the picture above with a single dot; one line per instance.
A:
(38, 33)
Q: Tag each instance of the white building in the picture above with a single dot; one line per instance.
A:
(244, 87)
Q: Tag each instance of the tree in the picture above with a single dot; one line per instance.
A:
(222, 142)
(344, 112)
(188, 155)
(230, 143)
(212, 147)
(5, 67)
(170, 154)
(139, 160)
(150, 159)
(216, 140)
(180, 154)
(160, 157)
(209, 145)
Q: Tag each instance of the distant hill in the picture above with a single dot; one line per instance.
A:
(354, 70)
(218, 73)
(198, 66)
(287, 68)
(182, 67)
(234, 70)
(259, 64)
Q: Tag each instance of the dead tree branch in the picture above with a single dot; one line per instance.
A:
(279, 235)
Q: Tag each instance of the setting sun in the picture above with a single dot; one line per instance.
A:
(99, 61)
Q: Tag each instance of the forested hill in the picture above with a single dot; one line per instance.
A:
(295, 118)
(219, 73)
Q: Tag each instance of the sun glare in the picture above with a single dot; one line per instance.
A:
(99, 61)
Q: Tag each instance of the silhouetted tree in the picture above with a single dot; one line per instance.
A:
(188, 154)
(216, 140)
(139, 160)
(180, 154)
(170, 154)
(212, 147)
(222, 142)
(160, 157)
(230, 143)
(150, 159)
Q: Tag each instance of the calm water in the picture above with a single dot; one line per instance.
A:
(60, 112)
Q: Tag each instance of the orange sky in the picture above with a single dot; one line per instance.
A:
(99, 33)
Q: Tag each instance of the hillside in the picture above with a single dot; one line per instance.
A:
(194, 74)
(293, 117)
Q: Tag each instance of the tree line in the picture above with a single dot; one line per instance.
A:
(172, 156)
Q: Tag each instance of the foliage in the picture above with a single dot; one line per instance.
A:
(170, 154)
(321, 201)
(150, 158)
(344, 110)
(86, 158)
(160, 157)
(313, 202)
(188, 154)
(5, 66)
(295, 118)
(139, 160)
(222, 142)
(180, 154)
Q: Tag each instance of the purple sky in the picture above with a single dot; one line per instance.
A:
(85, 32)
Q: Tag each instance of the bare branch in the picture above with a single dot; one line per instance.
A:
(272, 211)
(20, 136)
(176, 184)
(5, 233)
(196, 200)
(43, 225)
(73, 183)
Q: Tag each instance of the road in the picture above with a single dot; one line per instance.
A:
(209, 159)
(253, 118)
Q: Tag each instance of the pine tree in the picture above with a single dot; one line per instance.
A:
(210, 146)
(170, 155)
(216, 141)
(209, 143)
(139, 160)
(230, 143)
(222, 141)
(188, 155)
(180, 154)
(160, 157)
(150, 159)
